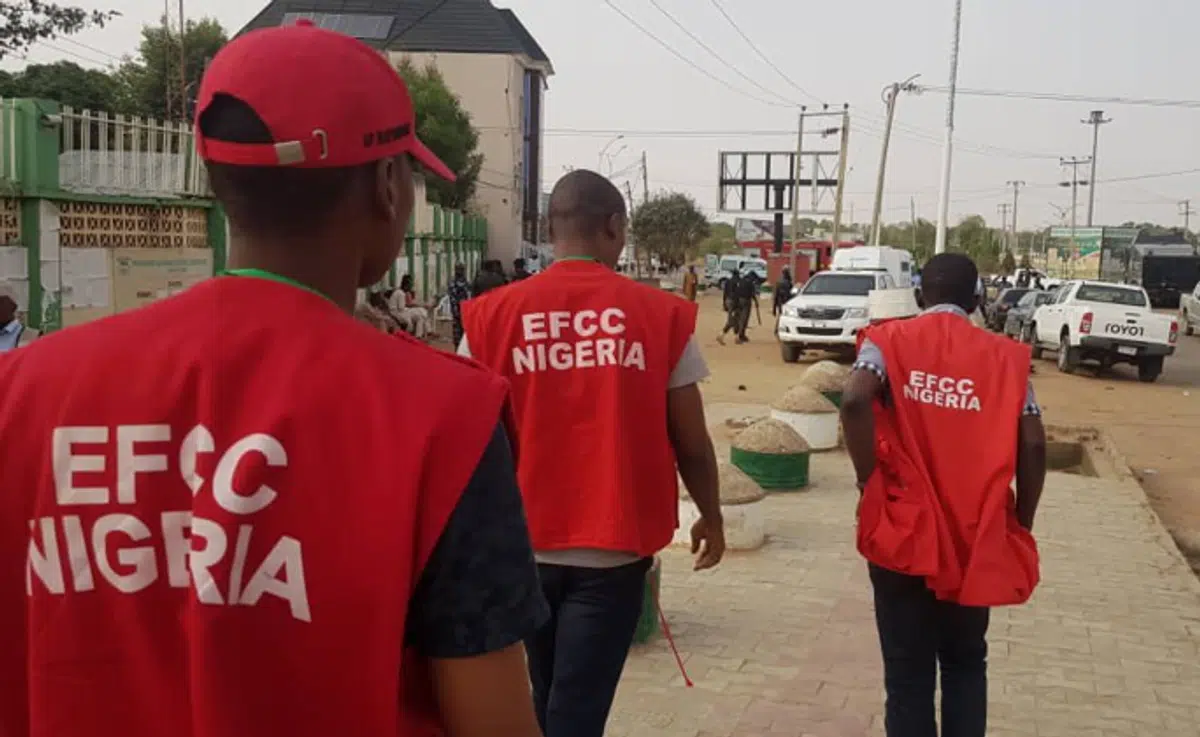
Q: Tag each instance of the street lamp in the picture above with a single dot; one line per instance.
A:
(948, 142)
(600, 159)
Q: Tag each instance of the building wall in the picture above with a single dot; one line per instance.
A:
(490, 88)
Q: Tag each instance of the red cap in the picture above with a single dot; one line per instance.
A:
(329, 101)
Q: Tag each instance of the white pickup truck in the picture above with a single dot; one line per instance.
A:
(1107, 323)
(828, 312)
(1189, 310)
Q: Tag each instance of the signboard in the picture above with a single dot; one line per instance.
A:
(747, 230)
(143, 275)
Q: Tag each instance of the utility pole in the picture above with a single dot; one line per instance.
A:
(843, 152)
(1185, 209)
(948, 143)
(645, 181)
(1096, 119)
(168, 86)
(890, 93)
(637, 267)
(1016, 184)
(1003, 207)
(796, 189)
(1074, 162)
(183, 85)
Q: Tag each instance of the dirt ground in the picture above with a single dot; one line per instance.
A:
(1155, 426)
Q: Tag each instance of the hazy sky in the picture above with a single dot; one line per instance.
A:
(612, 77)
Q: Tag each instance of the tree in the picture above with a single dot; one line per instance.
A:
(146, 83)
(721, 239)
(445, 127)
(25, 22)
(65, 82)
(1008, 264)
(671, 227)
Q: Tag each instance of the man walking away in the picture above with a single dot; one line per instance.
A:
(519, 270)
(604, 374)
(746, 298)
(274, 553)
(938, 416)
(783, 292)
(691, 283)
(729, 298)
(458, 292)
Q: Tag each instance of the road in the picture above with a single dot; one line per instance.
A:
(1156, 426)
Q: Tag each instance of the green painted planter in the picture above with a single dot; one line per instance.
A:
(648, 625)
(835, 397)
(773, 471)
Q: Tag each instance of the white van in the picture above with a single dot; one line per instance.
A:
(894, 261)
(743, 264)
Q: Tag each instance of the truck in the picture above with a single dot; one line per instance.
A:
(896, 262)
(1106, 323)
(828, 312)
(717, 273)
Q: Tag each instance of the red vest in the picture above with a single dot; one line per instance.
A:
(302, 462)
(588, 353)
(939, 504)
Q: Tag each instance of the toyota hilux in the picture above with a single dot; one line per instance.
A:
(828, 312)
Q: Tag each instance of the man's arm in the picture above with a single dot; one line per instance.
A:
(858, 420)
(476, 601)
(1031, 461)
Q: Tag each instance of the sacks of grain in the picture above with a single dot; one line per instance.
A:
(827, 377)
(773, 454)
(745, 522)
(809, 413)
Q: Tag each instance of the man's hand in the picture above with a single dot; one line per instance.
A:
(708, 543)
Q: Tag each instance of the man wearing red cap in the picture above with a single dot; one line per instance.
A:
(208, 526)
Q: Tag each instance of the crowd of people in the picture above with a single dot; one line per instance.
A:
(254, 515)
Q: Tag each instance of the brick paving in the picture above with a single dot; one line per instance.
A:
(781, 641)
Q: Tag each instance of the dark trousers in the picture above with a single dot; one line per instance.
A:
(918, 635)
(576, 658)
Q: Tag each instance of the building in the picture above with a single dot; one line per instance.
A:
(494, 66)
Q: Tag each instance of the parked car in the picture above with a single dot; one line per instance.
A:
(1019, 319)
(1107, 323)
(1189, 310)
(995, 312)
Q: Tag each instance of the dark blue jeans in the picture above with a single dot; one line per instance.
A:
(918, 634)
(576, 658)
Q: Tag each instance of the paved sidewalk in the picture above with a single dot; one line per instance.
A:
(782, 640)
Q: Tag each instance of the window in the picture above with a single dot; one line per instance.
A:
(905, 266)
(846, 285)
(1010, 296)
(1112, 295)
(1063, 292)
(367, 27)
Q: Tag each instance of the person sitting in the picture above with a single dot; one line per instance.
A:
(404, 304)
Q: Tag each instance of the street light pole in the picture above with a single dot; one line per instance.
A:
(1096, 119)
(948, 143)
(890, 93)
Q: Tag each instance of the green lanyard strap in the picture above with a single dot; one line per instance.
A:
(272, 276)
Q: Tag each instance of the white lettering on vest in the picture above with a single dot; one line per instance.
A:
(120, 547)
(565, 341)
(942, 391)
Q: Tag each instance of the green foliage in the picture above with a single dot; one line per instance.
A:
(25, 22)
(445, 127)
(146, 82)
(671, 227)
(65, 82)
(721, 240)
(1008, 264)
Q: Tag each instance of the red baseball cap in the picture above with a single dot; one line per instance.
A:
(329, 100)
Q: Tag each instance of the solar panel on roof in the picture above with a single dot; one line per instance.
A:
(370, 27)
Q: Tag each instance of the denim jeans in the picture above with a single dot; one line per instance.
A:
(918, 635)
(576, 658)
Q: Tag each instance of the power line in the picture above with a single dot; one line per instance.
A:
(1065, 97)
(674, 21)
(754, 47)
(686, 60)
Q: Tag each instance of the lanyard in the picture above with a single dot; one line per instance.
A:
(272, 276)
